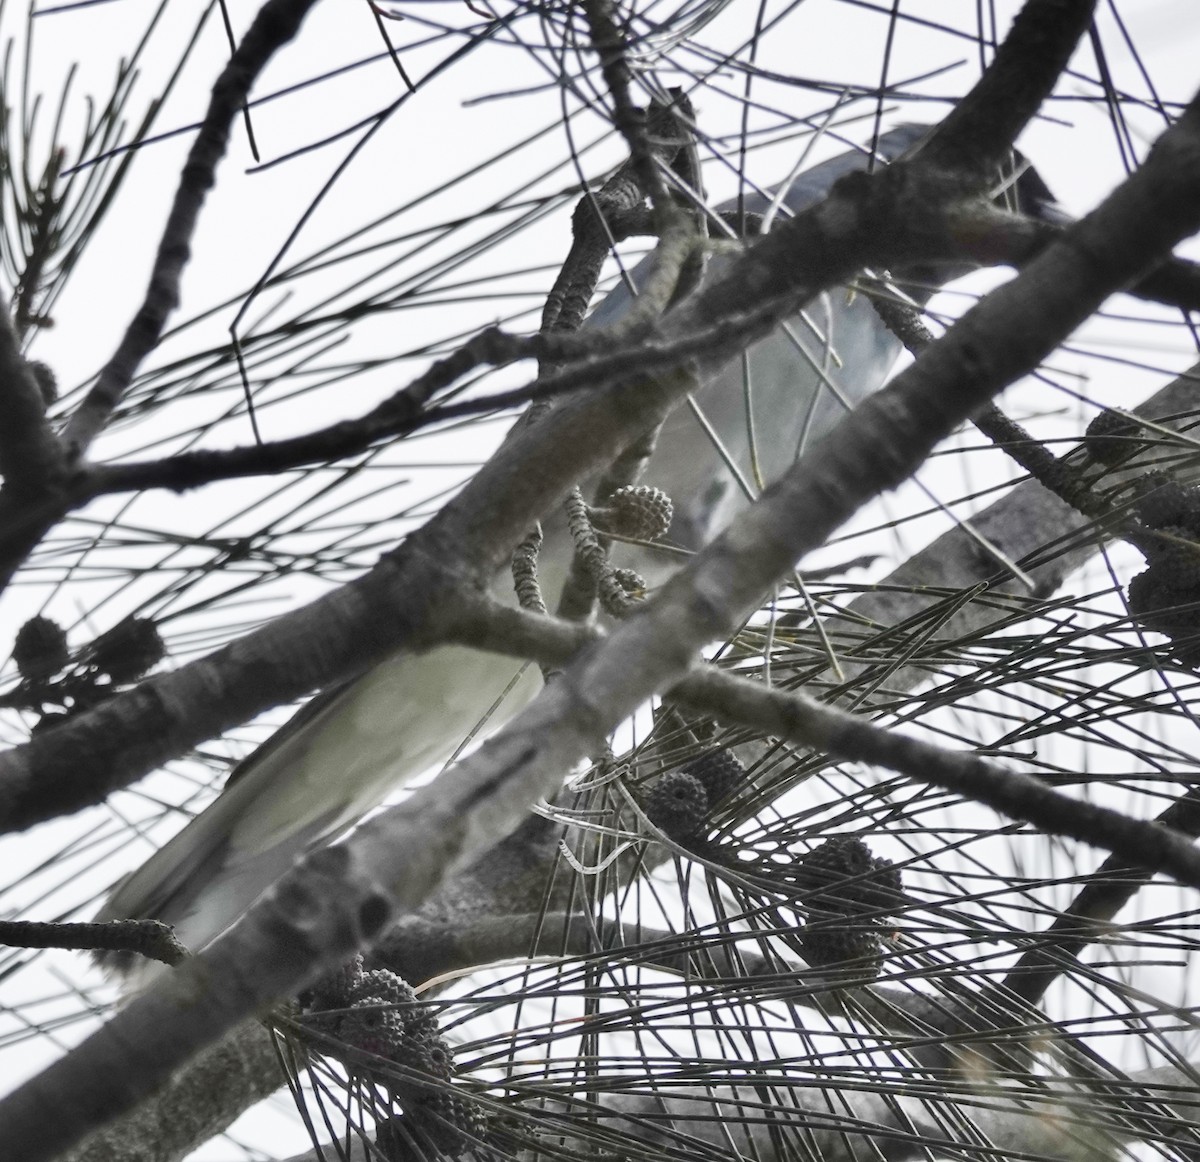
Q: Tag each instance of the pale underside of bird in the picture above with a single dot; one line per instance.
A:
(343, 753)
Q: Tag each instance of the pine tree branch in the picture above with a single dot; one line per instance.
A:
(145, 937)
(1025, 520)
(341, 898)
(798, 718)
(992, 236)
(198, 1103)
(31, 458)
(977, 136)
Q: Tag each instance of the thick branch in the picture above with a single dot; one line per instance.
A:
(244, 1068)
(978, 134)
(992, 236)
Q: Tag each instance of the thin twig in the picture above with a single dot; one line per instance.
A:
(276, 23)
(149, 938)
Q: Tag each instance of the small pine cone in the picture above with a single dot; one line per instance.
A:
(1168, 610)
(437, 1058)
(842, 876)
(1111, 437)
(677, 804)
(372, 1028)
(1177, 568)
(1162, 501)
(45, 379)
(337, 990)
(631, 581)
(40, 649)
(1150, 601)
(826, 944)
(424, 1053)
(380, 986)
(128, 650)
(383, 988)
(640, 512)
(720, 771)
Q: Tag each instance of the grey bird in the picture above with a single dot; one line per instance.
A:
(348, 748)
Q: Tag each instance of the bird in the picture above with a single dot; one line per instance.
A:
(348, 748)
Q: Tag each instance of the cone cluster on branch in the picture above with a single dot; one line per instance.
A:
(848, 893)
(378, 1017)
(680, 802)
(122, 655)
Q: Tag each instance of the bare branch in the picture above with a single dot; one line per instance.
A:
(630, 123)
(145, 937)
(978, 134)
(199, 1102)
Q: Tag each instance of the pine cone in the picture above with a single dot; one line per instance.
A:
(437, 1058)
(383, 987)
(631, 581)
(1161, 501)
(1111, 437)
(128, 650)
(375, 1029)
(843, 877)
(40, 649)
(640, 512)
(720, 771)
(678, 805)
(1169, 609)
(394, 1142)
(1177, 567)
(824, 944)
(844, 880)
(443, 1120)
(451, 1123)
